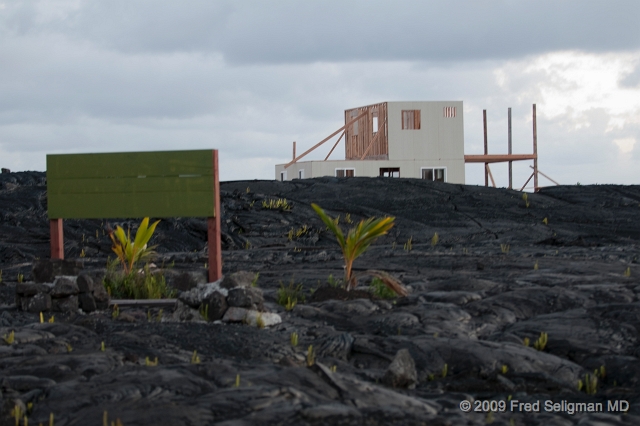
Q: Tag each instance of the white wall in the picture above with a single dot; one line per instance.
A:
(371, 168)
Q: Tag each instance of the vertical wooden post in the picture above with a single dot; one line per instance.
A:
(294, 150)
(57, 239)
(214, 242)
(510, 162)
(486, 147)
(535, 151)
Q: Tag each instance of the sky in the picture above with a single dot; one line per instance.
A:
(248, 78)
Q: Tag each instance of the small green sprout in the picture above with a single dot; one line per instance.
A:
(279, 204)
(52, 319)
(20, 277)
(294, 339)
(248, 190)
(254, 282)
(115, 313)
(525, 197)
(535, 266)
(237, 380)
(260, 321)
(334, 282)
(334, 368)
(409, 244)
(195, 359)
(159, 317)
(204, 311)
(545, 221)
(445, 370)
(590, 384)
(311, 356)
(504, 369)
(102, 346)
(150, 363)
(627, 272)
(434, 239)
(526, 341)
(431, 377)
(347, 218)
(41, 318)
(0, 276)
(379, 289)
(505, 248)
(82, 253)
(10, 338)
(541, 342)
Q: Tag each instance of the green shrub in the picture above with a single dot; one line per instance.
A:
(142, 284)
(357, 240)
(380, 289)
(289, 296)
(131, 252)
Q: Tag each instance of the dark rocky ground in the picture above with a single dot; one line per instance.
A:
(474, 297)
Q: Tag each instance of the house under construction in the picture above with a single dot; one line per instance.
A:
(395, 139)
(423, 140)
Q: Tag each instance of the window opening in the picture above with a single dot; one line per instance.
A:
(345, 172)
(375, 125)
(449, 112)
(411, 119)
(283, 176)
(434, 174)
(301, 174)
(390, 172)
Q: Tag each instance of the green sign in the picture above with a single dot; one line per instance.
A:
(131, 184)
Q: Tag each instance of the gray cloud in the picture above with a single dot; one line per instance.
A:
(293, 31)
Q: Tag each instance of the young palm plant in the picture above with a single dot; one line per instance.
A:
(357, 241)
(131, 252)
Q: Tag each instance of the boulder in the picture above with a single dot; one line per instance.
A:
(85, 283)
(64, 286)
(45, 270)
(216, 306)
(65, 304)
(402, 371)
(238, 279)
(196, 296)
(39, 303)
(87, 302)
(250, 317)
(185, 280)
(31, 289)
(246, 297)
(101, 297)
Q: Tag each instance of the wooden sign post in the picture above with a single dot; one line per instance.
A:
(132, 185)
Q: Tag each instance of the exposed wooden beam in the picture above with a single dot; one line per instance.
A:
(509, 150)
(546, 176)
(486, 147)
(325, 139)
(57, 238)
(525, 184)
(375, 138)
(498, 158)
(214, 240)
(334, 146)
(493, 182)
(535, 150)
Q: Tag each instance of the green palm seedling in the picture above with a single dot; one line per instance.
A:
(131, 252)
(356, 242)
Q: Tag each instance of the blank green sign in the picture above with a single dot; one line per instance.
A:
(131, 184)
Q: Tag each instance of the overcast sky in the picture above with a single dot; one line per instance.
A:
(250, 77)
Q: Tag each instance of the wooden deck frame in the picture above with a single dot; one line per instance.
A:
(324, 140)
(74, 191)
(510, 158)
